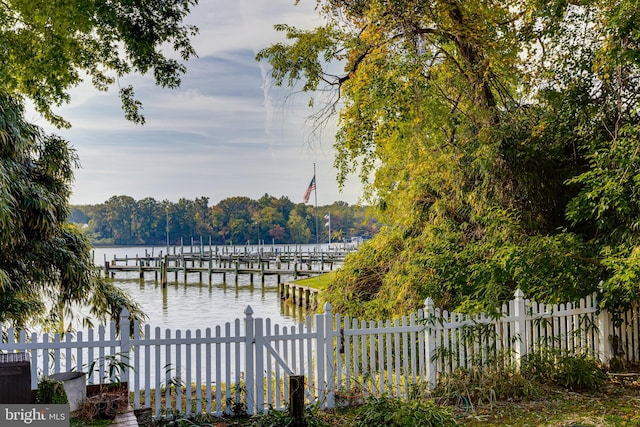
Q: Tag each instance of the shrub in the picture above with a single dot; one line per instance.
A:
(274, 418)
(51, 391)
(571, 370)
(384, 411)
(485, 384)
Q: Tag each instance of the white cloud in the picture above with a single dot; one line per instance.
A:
(222, 134)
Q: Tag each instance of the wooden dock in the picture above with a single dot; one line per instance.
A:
(299, 295)
(263, 263)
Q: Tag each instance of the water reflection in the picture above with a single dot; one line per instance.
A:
(194, 304)
(198, 301)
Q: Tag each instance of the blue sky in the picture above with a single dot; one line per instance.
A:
(226, 132)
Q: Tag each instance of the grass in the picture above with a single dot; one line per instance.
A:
(317, 282)
(75, 422)
(615, 404)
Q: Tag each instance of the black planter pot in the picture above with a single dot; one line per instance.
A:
(107, 409)
(143, 416)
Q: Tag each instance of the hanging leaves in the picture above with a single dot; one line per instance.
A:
(49, 47)
(499, 141)
(46, 267)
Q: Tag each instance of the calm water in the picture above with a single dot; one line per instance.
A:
(196, 304)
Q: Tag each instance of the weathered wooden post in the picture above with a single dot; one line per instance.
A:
(163, 271)
(296, 400)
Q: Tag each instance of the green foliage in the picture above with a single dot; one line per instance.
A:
(274, 418)
(121, 220)
(484, 375)
(303, 61)
(394, 273)
(385, 411)
(498, 142)
(46, 266)
(486, 384)
(49, 48)
(112, 366)
(571, 370)
(51, 391)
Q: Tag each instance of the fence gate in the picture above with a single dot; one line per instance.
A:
(281, 352)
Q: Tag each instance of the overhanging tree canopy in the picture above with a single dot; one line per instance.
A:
(46, 48)
(49, 47)
(46, 268)
(502, 138)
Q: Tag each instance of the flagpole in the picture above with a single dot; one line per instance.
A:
(315, 195)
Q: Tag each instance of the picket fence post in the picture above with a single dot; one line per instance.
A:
(248, 362)
(321, 358)
(519, 327)
(604, 331)
(430, 341)
(259, 369)
(125, 344)
(329, 355)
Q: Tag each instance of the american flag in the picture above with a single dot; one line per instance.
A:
(310, 188)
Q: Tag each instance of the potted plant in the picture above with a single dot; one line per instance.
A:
(107, 399)
(144, 416)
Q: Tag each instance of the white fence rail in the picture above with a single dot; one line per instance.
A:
(245, 365)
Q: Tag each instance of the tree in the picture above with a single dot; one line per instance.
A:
(270, 222)
(202, 216)
(240, 230)
(45, 262)
(501, 138)
(46, 49)
(151, 219)
(298, 229)
(121, 212)
(220, 226)
(99, 231)
(50, 47)
(266, 218)
(77, 216)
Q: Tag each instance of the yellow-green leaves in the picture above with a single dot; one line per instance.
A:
(498, 138)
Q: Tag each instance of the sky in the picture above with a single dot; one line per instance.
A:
(225, 132)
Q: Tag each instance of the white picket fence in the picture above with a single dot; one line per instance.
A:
(245, 365)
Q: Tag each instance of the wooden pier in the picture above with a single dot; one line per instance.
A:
(299, 295)
(263, 263)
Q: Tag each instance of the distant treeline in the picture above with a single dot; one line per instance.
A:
(122, 220)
